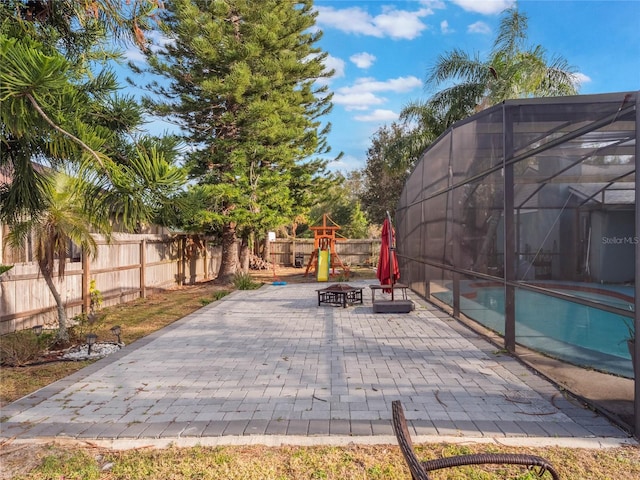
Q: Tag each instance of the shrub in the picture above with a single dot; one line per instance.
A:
(216, 296)
(219, 294)
(88, 322)
(83, 324)
(244, 281)
(20, 348)
(343, 277)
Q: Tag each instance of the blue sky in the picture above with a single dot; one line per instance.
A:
(381, 51)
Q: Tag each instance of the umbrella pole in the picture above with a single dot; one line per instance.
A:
(391, 279)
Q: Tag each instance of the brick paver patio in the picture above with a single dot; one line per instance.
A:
(271, 362)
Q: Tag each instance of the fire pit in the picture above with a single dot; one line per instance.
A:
(340, 294)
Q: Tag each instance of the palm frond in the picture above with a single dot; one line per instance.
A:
(455, 65)
(512, 33)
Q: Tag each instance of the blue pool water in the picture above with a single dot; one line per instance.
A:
(579, 334)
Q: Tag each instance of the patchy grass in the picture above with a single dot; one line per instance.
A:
(321, 462)
(16, 382)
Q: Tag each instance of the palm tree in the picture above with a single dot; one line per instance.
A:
(57, 111)
(73, 207)
(63, 220)
(512, 70)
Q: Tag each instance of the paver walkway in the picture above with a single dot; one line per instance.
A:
(271, 362)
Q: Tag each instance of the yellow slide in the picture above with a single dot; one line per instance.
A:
(322, 270)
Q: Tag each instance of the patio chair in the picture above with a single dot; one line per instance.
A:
(419, 470)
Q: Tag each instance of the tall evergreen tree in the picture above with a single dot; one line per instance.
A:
(242, 86)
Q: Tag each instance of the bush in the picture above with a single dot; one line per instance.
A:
(244, 281)
(20, 348)
(215, 297)
(83, 324)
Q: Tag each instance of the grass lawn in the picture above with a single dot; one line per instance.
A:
(59, 460)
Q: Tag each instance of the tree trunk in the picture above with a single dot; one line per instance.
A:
(244, 253)
(63, 334)
(266, 249)
(229, 263)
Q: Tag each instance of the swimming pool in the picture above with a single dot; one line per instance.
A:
(576, 333)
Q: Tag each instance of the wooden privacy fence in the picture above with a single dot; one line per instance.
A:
(351, 252)
(128, 267)
(131, 266)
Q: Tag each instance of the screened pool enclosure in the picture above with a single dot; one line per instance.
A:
(522, 218)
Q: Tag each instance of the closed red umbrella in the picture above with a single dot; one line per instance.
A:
(388, 270)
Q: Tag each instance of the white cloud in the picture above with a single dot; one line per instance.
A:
(396, 85)
(363, 59)
(350, 20)
(479, 27)
(133, 54)
(433, 4)
(581, 78)
(402, 23)
(347, 163)
(486, 7)
(156, 41)
(444, 27)
(393, 23)
(377, 115)
(336, 64)
(363, 94)
(357, 100)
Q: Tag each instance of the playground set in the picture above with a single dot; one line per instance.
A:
(324, 257)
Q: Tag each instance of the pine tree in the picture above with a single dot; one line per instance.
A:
(242, 86)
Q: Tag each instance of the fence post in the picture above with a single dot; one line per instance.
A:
(205, 259)
(86, 299)
(143, 262)
(182, 268)
(293, 252)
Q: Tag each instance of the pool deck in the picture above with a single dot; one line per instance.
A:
(270, 366)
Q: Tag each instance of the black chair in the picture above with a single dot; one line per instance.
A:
(419, 470)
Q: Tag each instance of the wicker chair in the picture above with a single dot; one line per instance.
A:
(419, 470)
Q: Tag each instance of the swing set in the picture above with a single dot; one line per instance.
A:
(324, 257)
